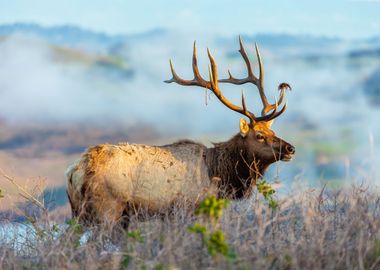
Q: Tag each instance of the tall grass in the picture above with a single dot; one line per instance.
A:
(312, 229)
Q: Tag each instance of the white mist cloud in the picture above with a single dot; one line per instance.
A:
(327, 91)
(35, 87)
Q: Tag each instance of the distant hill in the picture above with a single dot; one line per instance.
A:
(74, 36)
(73, 45)
(288, 40)
(77, 37)
(70, 35)
(371, 88)
(66, 35)
(372, 52)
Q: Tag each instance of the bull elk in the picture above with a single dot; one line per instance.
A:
(110, 181)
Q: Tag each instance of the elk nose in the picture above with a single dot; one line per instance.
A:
(290, 149)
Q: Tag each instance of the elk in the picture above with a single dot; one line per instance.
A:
(110, 181)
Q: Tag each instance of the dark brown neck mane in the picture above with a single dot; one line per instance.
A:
(237, 170)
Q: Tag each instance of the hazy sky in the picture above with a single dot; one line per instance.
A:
(345, 18)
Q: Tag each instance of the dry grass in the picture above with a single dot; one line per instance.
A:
(313, 229)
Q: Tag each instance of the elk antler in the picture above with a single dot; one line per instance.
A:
(214, 87)
(259, 82)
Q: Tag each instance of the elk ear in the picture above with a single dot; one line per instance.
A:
(244, 127)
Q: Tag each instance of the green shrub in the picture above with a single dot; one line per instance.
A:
(268, 192)
(211, 210)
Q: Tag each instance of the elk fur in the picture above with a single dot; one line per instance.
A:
(108, 179)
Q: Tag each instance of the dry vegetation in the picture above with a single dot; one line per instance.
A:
(313, 229)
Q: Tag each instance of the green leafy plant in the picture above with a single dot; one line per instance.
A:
(76, 229)
(375, 251)
(217, 244)
(211, 210)
(127, 259)
(130, 254)
(288, 261)
(136, 235)
(55, 228)
(75, 226)
(268, 192)
(162, 267)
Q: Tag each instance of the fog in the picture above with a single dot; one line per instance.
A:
(326, 105)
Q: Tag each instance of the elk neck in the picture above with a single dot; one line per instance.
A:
(238, 171)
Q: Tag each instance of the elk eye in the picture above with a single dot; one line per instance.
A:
(259, 137)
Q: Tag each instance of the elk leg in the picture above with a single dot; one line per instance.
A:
(125, 218)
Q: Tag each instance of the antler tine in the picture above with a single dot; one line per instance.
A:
(175, 77)
(213, 73)
(243, 101)
(261, 68)
(197, 81)
(250, 78)
(259, 82)
(282, 88)
(212, 84)
(215, 88)
(267, 107)
(260, 85)
(211, 78)
(246, 60)
(274, 114)
(197, 75)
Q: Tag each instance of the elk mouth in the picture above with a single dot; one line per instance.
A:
(287, 157)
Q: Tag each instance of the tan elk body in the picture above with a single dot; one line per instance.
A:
(155, 177)
(109, 182)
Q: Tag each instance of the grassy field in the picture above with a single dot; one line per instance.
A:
(309, 229)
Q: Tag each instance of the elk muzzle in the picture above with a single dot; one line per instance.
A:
(287, 151)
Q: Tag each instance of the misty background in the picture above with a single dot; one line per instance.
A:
(75, 75)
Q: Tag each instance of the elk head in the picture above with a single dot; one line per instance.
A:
(256, 137)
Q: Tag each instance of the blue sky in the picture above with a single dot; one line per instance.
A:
(343, 18)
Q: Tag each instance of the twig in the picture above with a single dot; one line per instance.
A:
(23, 192)
(320, 198)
